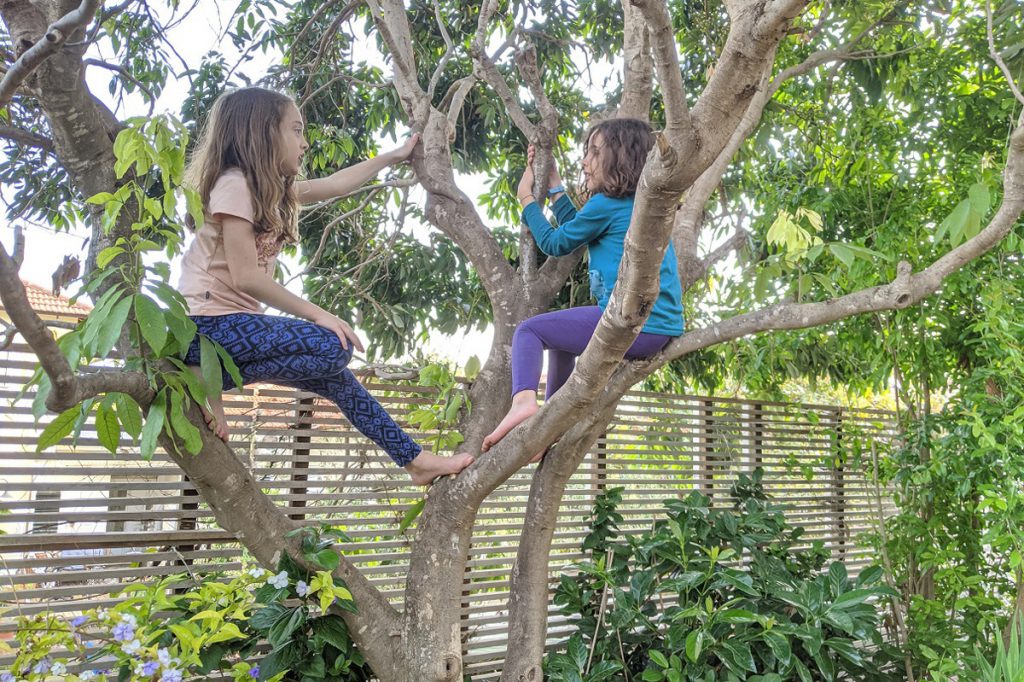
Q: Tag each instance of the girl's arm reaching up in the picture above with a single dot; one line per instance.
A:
(353, 177)
(249, 278)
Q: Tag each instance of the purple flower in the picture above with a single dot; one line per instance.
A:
(171, 676)
(301, 588)
(279, 581)
(79, 621)
(42, 666)
(254, 673)
(8, 677)
(123, 632)
(147, 669)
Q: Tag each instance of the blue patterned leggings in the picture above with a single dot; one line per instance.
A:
(300, 354)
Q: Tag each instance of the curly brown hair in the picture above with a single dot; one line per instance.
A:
(242, 131)
(622, 154)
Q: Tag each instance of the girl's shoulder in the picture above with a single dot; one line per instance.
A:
(601, 201)
(230, 176)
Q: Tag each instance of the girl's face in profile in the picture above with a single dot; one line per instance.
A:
(293, 140)
(592, 162)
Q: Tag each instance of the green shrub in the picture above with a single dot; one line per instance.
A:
(711, 595)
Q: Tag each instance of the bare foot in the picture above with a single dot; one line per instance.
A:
(427, 466)
(524, 406)
(216, 419)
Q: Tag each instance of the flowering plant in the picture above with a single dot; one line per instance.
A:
(178, 628)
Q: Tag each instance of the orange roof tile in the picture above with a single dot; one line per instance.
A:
(42, 301)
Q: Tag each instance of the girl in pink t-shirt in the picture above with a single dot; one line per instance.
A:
(244, 168)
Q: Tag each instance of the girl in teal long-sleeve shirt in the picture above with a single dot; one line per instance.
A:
(614, 157)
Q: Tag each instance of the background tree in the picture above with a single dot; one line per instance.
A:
(834, 138)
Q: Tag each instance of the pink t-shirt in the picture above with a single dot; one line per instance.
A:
(206, 281)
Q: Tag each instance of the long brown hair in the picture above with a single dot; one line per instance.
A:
(243, 132)
(625, 143)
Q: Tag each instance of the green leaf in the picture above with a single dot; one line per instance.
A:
(108, 430)
(108, 254)
(151, 322)
(129, 414)
(980, 198)
(58, 428)
(852, 598)
(843, 253)
(183, 427)
(658, 658)
(738, 657)
(954, 223)
(737, 616)
(472, 367)
(327, 558)
(694, 645)
(264, 618)
(286, 625)
(100, 198)
(779, 644)
(332, 629)
(410, 515)
(225, 632)
(110, 328)
(230, 366)
(154, 425)
(279, 661)
(210, 367)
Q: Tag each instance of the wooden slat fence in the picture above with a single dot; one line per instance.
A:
(80, 523)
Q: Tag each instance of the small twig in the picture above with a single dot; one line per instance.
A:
(449, 47)
(124, 73)
(609, 557)
(487, 70)
(998, 57)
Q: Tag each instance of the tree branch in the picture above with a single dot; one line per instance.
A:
(666, 60)
(700, 268)
(26, 138)
(637, 66)
(688, 222)
(449, 47)
(55, 36)
(528, 590)
(663, 43)
(487, 71)
(997, 57)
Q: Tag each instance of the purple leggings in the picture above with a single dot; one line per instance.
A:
(564, 334)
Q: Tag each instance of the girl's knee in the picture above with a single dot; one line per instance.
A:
(526, 328)
(334, 356)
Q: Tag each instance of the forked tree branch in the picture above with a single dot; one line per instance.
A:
(56, 35)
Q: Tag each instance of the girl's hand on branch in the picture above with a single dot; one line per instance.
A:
(524, 191)
(554, 178)
(400, 154)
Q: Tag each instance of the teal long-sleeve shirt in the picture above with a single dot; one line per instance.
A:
(601, 226)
